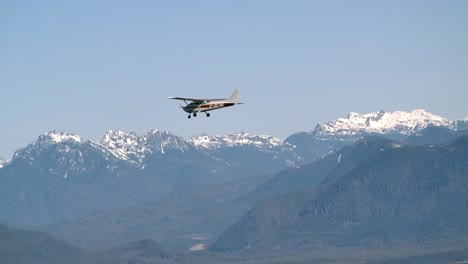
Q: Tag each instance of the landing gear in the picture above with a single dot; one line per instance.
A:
(195, 115)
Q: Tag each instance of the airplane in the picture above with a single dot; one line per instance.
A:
(193, 106)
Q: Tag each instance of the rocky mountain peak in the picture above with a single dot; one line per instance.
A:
(124, 146)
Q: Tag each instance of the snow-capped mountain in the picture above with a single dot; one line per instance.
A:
(45, 140)
(397, 125)
(67, 155)
(394, 123)
(59, 176)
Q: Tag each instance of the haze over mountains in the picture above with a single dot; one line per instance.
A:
(365, 180)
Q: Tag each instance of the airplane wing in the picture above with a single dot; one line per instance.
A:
(195, 99)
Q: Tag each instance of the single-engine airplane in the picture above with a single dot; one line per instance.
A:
(193, 106)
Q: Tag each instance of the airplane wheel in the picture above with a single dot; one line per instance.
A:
(207, 114)
(189, 116)
(194, 115)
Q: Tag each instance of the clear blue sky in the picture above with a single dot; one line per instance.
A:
(90, 66)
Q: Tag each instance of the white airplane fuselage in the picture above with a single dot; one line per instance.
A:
(203, 106)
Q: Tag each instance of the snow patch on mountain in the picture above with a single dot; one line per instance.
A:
(134, 148)
(397, 122)
(53, 137)
(160, 141)
(206, 141)
(124, 146)
(3, 163)
(269, 147)
(238, 139)
(57, 137)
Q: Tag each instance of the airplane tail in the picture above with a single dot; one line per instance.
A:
(235, 96)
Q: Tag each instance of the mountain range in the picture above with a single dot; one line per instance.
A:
(61, 177)
(378, 180)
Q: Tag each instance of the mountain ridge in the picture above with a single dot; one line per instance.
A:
(405, 193)
(132, 147)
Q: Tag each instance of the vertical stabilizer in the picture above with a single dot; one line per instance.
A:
(235, 96)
